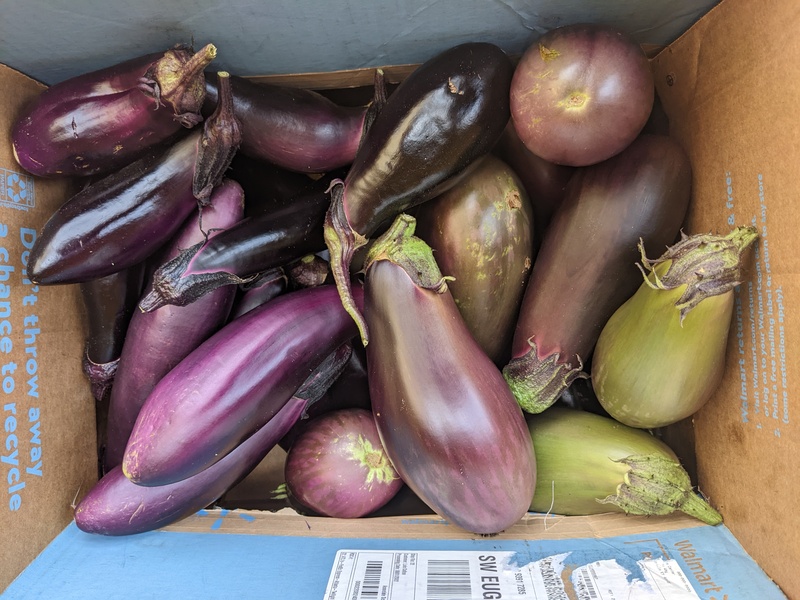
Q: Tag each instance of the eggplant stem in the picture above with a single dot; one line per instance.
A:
(342, 242)
(379, 98)
(100, 376)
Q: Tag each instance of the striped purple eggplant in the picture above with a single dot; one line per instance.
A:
(116, 506)
(448, 112)
(100, 121)
(233, 383)
(159, 340)
(446, 417)
(123, 218)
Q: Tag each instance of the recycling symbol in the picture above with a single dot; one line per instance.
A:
(16, 188)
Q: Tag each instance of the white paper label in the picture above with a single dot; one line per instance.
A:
(468, 575)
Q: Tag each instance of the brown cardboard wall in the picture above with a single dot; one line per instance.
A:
(730, 87)
(47, 444)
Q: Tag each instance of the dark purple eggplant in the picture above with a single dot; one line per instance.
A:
(586, 266)
(232, 384)
(446, 417)
(159, 340)
(308, 271)
(481, 231)
(337, 466)
(109, 302)
(448, 112)
(125, 217)
(242, 252)
(293, 128)
(116, 506)
(270, 285)
(100, 121)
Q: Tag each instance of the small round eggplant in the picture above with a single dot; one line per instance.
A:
(337, 466)
(481, 232)
(450, 111)
(446, 417)
(98, 122)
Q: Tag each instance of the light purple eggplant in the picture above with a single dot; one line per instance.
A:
(98, 122)
(159, 340)
(233, 383)
(123, 218)
(116, 506)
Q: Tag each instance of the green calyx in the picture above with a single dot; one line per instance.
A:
(707, 264)
(399, 246)
(657, 485)
(379, 468)
(537, 383)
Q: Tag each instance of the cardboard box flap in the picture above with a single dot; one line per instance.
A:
(728, 86)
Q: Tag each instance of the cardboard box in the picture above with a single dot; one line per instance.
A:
(727, 85)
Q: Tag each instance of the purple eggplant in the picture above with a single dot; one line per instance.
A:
(270, 285)
(448, 112)
(98, 122)
(110, 302)
(116, 506)
(337, 466)
(159, 340)
(125, 217)
(586, 266)
(446, 417)
(232, 384)
(293, 128)
(308, 271)
(242, 252)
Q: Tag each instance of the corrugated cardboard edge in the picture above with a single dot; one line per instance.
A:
(729, 87)
(65, 422)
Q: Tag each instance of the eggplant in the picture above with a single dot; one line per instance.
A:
(481, 232)
(446, 417)
(159, 340)
(232, 384)
(588, 464)
(241, 253)
(337, 466)
(585, 268)
(100, 121)
(308, 271)
(448, 112)
(116, 506)
(661, 355)
(123, 218)
(109, 302)
(270, 285)
(293, 128)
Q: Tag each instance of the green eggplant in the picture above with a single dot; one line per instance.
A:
(662, 353)
(481, 232)
(588, 464)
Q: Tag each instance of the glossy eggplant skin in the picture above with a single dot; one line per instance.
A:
(293, 128)
(100, 121)
(116, 506)
(159, 340)
(446, 418)
(450, 111)
(586, 266)
(232, 384)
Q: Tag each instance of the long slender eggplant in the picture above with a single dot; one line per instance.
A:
(232, 384)
(481, 231)
(110, 302)
(586, 266)
(446, 417)
(448, 112)
(117, 506)
(293, 128)
(159, 340)
(125, 217)
(100, 121)
(242, 252)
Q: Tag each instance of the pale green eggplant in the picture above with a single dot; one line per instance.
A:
(662, 353)
(588, 464)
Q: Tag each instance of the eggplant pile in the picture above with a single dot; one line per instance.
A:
(401, 294)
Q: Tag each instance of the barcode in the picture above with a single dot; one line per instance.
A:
(448, 580)
(588, 585)
(371, 585)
